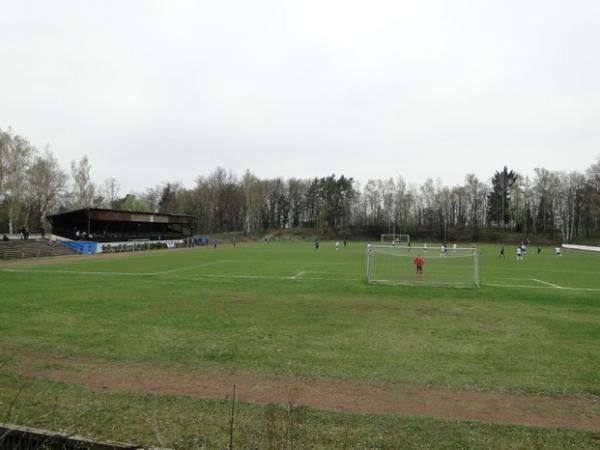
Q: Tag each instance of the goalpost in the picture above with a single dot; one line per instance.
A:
(395, 239)
(395, 264)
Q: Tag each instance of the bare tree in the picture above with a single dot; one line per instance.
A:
(545, 189)
(84, 191)
(15, 158)
(46, 184)
(591, 201)
(568, 203)
(476, 194)
(111, 191)
(373, 198)
(253, 192)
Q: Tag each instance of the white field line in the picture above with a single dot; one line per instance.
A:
(77, 272)
(273, 277)
(203, 276)
(266, 277)
(541, 269)
(163, 275)
(449, 284)
(321, 271)
(546, 283)
(181, 269)
(299, 274)
(87, 272)
(510, 278)
(523, 286)
(541, 287)
(332, 279)
(257, 277)
(339, 263)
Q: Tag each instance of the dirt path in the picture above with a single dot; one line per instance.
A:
(333, 395)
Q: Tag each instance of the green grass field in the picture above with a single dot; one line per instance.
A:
(284, 309)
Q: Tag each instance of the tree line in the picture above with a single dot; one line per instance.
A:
(559, 205)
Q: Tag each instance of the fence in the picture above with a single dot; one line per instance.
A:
(14, 437)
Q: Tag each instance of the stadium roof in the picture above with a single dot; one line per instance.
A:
(126, 216)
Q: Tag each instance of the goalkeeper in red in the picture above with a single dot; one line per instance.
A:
(419, 262)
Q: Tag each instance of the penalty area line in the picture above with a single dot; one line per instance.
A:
(515, 286)
(547, 284)
(253, 277)
(79, 272)
(168, 276)
(563, 288)
(183, 269)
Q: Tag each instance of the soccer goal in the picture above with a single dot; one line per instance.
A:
(395, 264)
(140, 244)
(395, 239)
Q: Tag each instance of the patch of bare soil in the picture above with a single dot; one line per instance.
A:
(334, 395)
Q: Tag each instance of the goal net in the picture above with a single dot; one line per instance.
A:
(395, 264)
(395, 239)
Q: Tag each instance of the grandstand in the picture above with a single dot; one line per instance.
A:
(112, 225)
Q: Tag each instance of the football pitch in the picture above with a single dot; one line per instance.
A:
(138, 346)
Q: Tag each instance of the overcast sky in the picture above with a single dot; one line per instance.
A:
(166, 91)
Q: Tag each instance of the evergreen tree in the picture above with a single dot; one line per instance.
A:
(499, 197)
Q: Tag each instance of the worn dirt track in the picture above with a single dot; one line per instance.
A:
(333, 395)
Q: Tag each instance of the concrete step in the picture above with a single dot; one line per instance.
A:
(33, 249)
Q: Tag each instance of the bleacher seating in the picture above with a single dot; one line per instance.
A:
(33, 249)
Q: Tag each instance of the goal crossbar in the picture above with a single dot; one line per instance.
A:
(394, 237)
(419, 247)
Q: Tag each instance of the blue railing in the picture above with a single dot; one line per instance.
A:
(84, 247)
